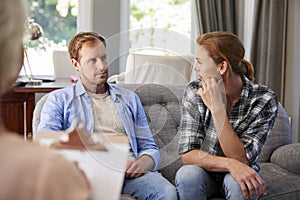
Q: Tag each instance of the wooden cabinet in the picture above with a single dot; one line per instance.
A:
(16, 110)
(17, 105)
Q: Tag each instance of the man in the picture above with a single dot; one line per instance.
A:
(105, 108)
(29, 171)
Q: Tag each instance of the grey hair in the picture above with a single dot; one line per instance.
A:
(13, 14)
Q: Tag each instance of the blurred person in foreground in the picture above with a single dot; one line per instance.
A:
(109, 109)
(27, 170)
(226, 118)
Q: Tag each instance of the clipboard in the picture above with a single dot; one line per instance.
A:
(104, 162)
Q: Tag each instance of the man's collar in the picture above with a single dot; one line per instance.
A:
(80, 90)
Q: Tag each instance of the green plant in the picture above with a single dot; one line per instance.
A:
(58, 19)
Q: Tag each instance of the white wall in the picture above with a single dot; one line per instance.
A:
(292, 82)
(106, 21)
(85, 15)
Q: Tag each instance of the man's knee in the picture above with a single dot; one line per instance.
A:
(151, 186)
(162, 188)
(170, 192)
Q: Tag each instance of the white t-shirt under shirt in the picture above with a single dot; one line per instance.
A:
(106, 117)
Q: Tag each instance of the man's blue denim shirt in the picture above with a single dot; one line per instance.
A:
(64, 106)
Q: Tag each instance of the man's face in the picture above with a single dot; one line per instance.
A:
(204, 65)
(93, 63)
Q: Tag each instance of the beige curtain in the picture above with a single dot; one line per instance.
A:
(268, 43)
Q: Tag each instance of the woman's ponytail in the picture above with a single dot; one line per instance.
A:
(247, 69)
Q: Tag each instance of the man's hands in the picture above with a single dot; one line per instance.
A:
(134, 169)
(248, 178)
(137, 168)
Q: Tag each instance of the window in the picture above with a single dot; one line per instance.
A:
(58, 19)
(248, 23)
(160, 27)
(163, 26)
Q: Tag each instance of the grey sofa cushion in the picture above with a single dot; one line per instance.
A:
(280, 135)
(280, 183)
(288, 157)
(162, 104)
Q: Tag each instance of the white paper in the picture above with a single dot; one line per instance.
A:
(104, 169)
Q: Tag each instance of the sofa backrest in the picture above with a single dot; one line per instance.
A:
(280, 135)
(162, 104)
(142, 68)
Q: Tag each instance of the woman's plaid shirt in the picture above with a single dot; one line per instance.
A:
(252, 118)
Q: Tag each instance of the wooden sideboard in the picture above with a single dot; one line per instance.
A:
(17, 105)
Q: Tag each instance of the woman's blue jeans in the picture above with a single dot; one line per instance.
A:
(195, 183)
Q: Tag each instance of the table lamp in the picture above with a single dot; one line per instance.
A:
(32, 31)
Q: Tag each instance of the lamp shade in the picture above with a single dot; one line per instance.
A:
(33, 30)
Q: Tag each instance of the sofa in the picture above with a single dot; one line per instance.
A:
(279, 159)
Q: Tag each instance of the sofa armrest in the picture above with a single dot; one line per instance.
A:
(288, 157)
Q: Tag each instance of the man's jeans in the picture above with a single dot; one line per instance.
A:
(194, 183)
(151, 186)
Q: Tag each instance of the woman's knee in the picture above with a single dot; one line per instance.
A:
(150, 186)
(230, 182)
(190, 173)
(232, 188)
(193, 182)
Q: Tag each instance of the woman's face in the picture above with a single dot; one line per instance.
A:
(204, 65)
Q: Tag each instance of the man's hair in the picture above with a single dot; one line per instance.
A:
(80, 39)
(12, 17)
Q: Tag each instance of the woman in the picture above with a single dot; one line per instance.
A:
(28, 171)
(226, 118)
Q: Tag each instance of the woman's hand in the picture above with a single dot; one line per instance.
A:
(249, 180)
(211, 93)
